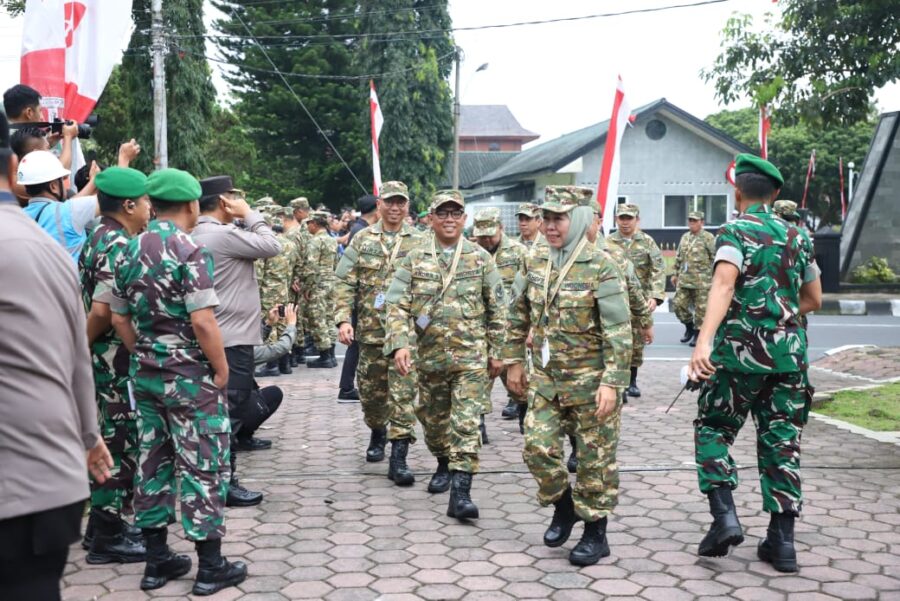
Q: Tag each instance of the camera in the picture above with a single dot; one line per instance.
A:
(280, 310)
(84, 129)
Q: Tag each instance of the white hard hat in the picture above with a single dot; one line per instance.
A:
(40, 167)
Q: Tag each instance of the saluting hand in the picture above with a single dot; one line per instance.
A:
(403, 361)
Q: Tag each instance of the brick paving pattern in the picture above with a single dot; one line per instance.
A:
(873, 362)
(333, 527)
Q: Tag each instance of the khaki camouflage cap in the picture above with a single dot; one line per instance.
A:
(696, 215)
(595, 207)
(446, 196)
(628, 210)
(487, 222)
(265, 201)
(785, 207)
(393, 188)
(562, 199)
(529, 209)
(300, 203)
(320, 216)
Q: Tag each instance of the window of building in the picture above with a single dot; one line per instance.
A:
(494, 146)
(677, 207)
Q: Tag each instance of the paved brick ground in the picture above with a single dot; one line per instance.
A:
(333, 527)
(872, 362)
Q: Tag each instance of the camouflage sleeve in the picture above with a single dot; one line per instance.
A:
(397, 307)
(679, 256)
(118, 301)
(264, 353)
(104, 276)
(197, 280)
(637, 300)
(298, 271)
(495, 308)
(710, 246)
(729, 247)
(346, 283)
(657, 272)
(518, 321)
(612, 305)
(811, 271)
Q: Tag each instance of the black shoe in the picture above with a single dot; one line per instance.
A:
(377, 440)
(563, 519)
(251, 444)
(725, 531)
(284, 366)
(109, 543)
(523, 410)
(461, 506)
(693, 341)
(292, 360)
(326, 360)
(132, 532)
(593, 546)
(238, 496)
(778, 546)
(88, 533)
(632, 389)
(688, 332)
(398, 471)
(572, 463)
(310, 349)
(348, 395)
(269, 370)
(483, 429)
(440, 480)
(215, 572)
(511, 411)
(162, 564)
(299, 355)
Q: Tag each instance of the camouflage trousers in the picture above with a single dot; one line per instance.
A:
(387, 398)
(184, 435)
(779, 405)
(297, 299)
(637, 345)
(450, 411)
(596, 490)
(321, 318)
(488, 406)
(118, 427)
(689, 305)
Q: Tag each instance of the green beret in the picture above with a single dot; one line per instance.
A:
(173, 185)
(121, 182)
(748, 163)
(423, 214)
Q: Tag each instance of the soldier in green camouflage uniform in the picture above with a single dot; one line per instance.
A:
(300, 236)
(363, 276)
(650, 268)
(574, 299)
(163, 300)
(693, 276)
(274, 276)
(125, 211)
(509, 256)
(321, 259)
(452, 291)
(752, 357)
(529, 216)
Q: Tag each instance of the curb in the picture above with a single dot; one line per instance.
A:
(860, 307)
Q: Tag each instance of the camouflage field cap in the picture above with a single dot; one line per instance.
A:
(696, 215)
(173, 185)
(595, 207)
(487, 222)
(750, 163)
(529, 209)
(394, 188)
(320, 216)
(628, 210)
(562, 199)
(785, 208)
(300, 203)
(446, 196)
(265, 201)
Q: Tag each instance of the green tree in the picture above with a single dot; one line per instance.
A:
(13, 7)
(790, 147)
(230, 150)
(821, 63)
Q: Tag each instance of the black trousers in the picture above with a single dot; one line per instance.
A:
(34, 550)
(265, 402)
(351, 361)
(240, 385)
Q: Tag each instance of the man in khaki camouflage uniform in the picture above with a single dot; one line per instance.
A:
(452, 291)
(693, 276)
(362, 279)
(300, 237)
(529, 216)
(273, 275)
(650, 268)
(509, 256)
(573, 297)
(321, 259)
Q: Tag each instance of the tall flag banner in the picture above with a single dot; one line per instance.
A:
(810, 173)
(69, 50)
(843, 198)
(608, 186)
(764, 126)
(377, 122)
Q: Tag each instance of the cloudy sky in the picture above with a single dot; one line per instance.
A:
(559, 77)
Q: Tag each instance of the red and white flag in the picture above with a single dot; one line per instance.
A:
(69, 50)
(764, 126)
(377, 122)
(608, 187)
(810, 173)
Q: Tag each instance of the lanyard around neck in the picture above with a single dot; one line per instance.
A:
(550, 295)
(453, 265)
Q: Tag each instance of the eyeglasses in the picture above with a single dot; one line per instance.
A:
(397, 201)
(455, 213)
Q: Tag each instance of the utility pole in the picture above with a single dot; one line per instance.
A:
(456, 124)
(160, 126)
(850, 166)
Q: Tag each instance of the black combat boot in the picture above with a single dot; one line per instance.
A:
(725, 531)
(299, 355)
(269, 370)
(483, 430)
(351, 395)
(688, 332)
(440, 480)
(778, 546)
(214, 571)
(593, 546)
(377, 440)
(292, 360)
(238, 496)
(633, 389)
(250, 443)
(89, 533)
(284, 366)
(572, 463)
(511, 410)
(693, 341)
(309, 347)
(162, 564)
(461, 506)
(398, 471)
(563, 519)
(523, 410)
(109, 544)
(326, 359)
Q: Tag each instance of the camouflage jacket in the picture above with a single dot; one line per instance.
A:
(364, 274)
(274, 275)
(105, 241)
(694, 260)
(761, 332)
(637, 300)
(300, 236)
(161, 277)
(648, 262)
(466, 327)
(538, 240)
(587, 326)
(510, 260)
(321, 257)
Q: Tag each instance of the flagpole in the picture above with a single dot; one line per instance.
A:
(160, 125)
(456, 123)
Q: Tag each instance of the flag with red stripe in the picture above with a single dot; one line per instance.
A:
(608, 186)
(764, 126)
(377, 122)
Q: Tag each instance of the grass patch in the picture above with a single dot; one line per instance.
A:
(876, 408)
